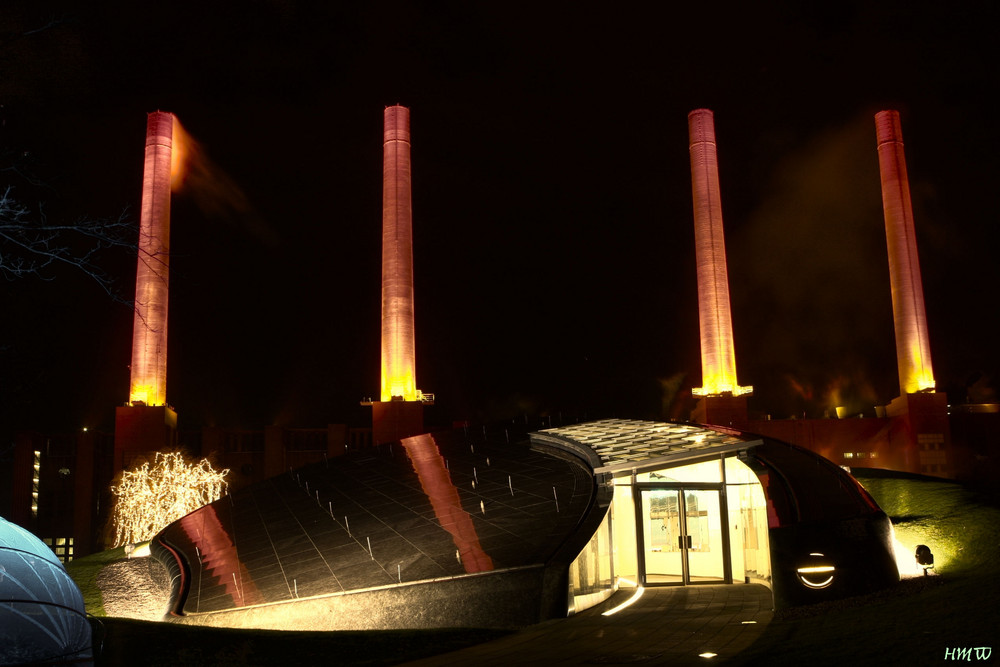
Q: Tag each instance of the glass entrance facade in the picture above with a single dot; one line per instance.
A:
(701, 523)
(704, 522)
(691, 504)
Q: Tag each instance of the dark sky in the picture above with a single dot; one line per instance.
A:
(552, 200)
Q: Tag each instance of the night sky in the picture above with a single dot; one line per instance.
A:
(553, 225)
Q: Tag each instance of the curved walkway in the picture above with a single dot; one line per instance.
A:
(667, 625)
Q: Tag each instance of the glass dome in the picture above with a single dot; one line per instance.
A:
(42, 615)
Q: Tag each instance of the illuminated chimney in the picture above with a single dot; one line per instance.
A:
(913, 352)
(149, 333)
(147, 423)
(718, 356)
(398, 347)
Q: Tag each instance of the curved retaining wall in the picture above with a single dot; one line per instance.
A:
(501, 599)
(177, 570)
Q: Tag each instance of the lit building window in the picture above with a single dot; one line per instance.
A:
(34, 483)
(62, 547)
(848, 455)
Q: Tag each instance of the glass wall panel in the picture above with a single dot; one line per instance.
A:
(591, 574)
(748, 516)
(623, 533)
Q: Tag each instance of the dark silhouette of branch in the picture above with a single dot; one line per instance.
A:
(32, 245)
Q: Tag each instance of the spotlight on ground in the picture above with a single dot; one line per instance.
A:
(925, 558)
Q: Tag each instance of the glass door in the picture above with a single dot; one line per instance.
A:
(704, 551)
(681, 536)
(662, 530)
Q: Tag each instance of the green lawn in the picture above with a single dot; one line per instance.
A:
(911, 624)
(84, 572)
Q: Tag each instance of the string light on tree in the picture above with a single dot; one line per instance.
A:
(150, 497)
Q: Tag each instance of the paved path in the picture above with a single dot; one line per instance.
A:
(667, 625)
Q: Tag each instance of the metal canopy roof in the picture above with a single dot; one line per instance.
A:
(627, 444)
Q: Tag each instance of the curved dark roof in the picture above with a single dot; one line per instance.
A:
(805, 487)
(429, 507)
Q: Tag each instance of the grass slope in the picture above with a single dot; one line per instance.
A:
(84, 572)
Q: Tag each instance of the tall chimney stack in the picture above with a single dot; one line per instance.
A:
(718, 356)
(400, 412)
(398, 347)
(913, 351)
(147, 423)
(149, 329)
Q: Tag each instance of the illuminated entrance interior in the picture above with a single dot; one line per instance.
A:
(666, 527)
(669, 530)
(685, 507)
(681, 536)
(675, 534)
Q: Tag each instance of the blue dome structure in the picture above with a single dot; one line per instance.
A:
(42, 615)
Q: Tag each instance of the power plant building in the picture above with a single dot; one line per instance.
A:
(409, 529)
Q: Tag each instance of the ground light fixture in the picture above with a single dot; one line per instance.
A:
(817, 572)
(924, 557)
(632, 600)
(708, 654)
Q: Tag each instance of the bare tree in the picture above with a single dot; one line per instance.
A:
(31, 244)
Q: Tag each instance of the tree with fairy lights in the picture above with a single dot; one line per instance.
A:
(150, 497)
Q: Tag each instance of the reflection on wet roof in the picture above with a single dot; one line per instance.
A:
(426, 508)
(625, 443)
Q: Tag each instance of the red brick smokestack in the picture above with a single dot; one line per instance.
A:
(398, 346)
(399, 414)
(913, 351)
(718, 355)
(149, 332)
(147, 423)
